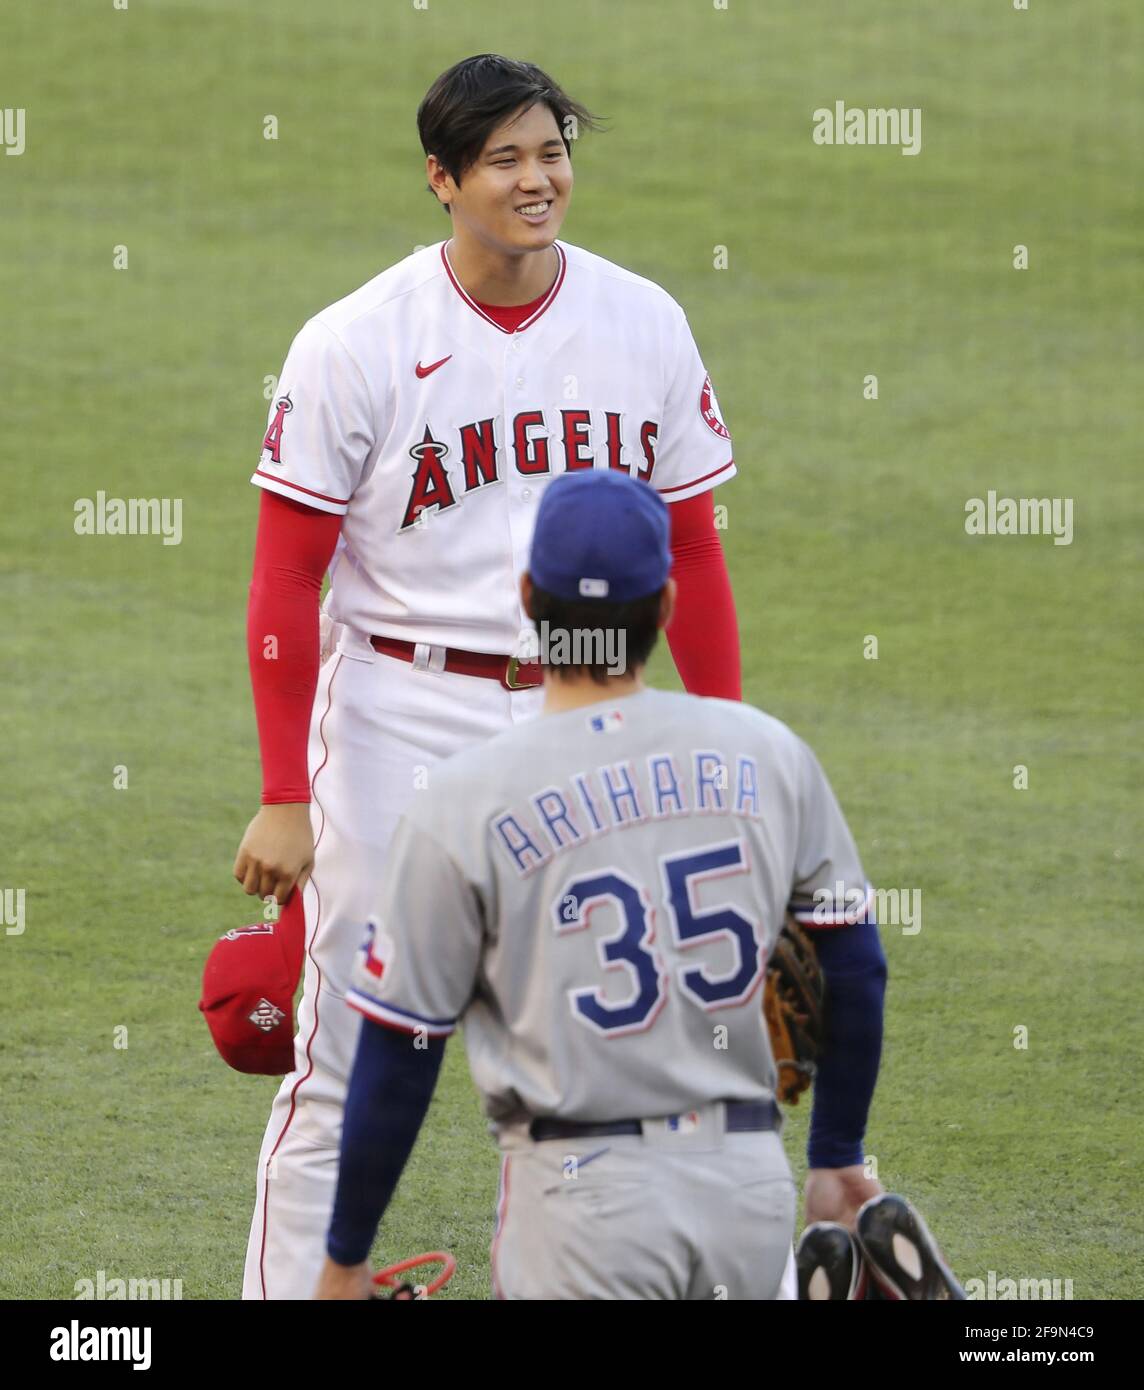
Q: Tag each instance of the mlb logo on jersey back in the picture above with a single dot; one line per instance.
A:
(609, 723)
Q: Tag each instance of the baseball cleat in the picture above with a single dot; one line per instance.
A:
(902, 1256)
(830, 1265)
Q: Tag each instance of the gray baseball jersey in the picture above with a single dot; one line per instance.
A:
(595, 894)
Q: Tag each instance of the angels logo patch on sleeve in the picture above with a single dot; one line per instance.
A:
(320, 429)
(273, 439)
(709, 409)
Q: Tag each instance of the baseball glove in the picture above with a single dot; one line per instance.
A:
(794, 1005)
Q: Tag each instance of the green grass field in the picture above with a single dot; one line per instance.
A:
(144, 130)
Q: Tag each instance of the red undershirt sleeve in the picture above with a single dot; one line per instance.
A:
(292, 552)
(704, 633)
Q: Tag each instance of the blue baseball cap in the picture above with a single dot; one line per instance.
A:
(600, 534)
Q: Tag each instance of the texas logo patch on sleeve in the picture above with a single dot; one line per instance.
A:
(374, 955)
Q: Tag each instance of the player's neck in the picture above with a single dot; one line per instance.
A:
(563, 693)
(501, 280)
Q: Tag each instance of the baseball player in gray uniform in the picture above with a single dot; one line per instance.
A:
(594, 895)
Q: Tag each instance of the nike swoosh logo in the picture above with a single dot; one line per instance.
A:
(424, 371)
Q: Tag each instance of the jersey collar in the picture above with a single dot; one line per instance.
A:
(536, 313)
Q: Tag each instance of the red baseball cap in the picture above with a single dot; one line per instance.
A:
(249, 982)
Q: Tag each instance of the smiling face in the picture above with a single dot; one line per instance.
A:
(514, 197)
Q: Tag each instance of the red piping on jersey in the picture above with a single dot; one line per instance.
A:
(476, 308)
(317, 990)
(341, 501)
(663, 491)
(502, 1212)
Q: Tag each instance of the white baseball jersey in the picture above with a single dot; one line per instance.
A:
(596, 894)
(434, 431)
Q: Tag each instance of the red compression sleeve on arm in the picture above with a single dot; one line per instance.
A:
(704, 633)
(291, 555)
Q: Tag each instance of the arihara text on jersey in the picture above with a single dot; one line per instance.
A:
(612, 797)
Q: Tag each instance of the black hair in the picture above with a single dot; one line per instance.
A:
(467, 103)
(588, 623)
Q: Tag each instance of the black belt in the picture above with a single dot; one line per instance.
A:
(742, 1116)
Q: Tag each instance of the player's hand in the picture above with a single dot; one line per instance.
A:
(277, 851)
(344, 1281)
(835, 1194)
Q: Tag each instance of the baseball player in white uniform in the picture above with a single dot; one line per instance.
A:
(416, 427)
(594, 895)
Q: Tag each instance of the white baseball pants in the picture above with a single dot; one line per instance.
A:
(657, 1216)
(378, 727)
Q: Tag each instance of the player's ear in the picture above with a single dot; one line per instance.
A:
(438, 178)
(667, 604)
(526, 593)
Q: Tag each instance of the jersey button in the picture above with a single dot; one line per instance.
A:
(520, 381)
(525, 493)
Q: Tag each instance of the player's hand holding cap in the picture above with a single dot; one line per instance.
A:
(600, 535)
